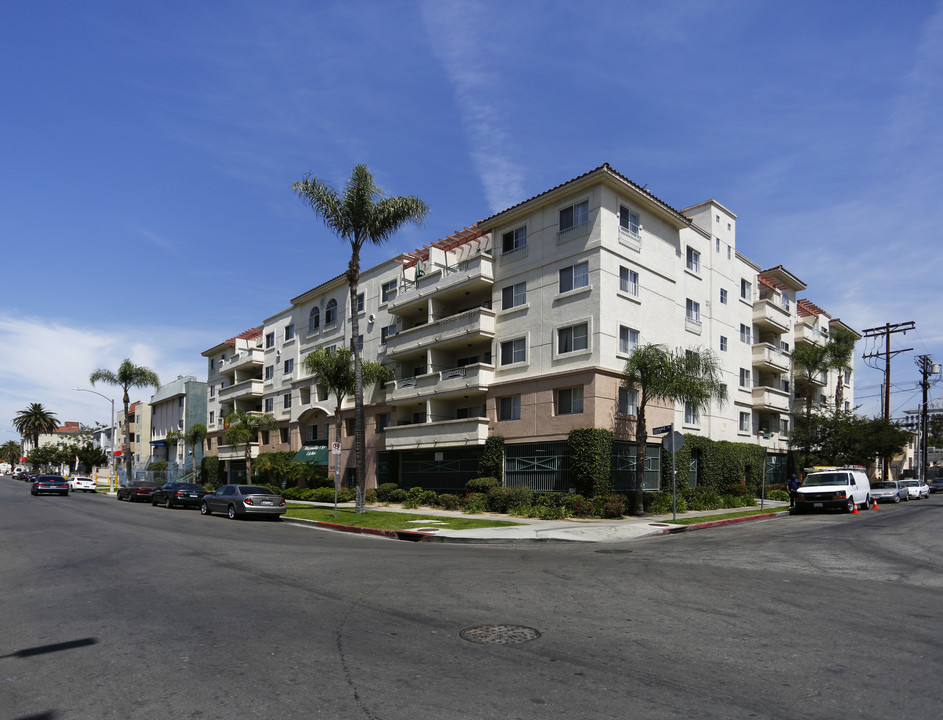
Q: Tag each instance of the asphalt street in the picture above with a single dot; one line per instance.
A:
(117, 610)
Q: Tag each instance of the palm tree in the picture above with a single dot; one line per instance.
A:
(244, 428)
(691, 377)
(362, 214)
(191, 439)
(841, 348)
(11, 452)
(808, 363)
(335, 370)
(34, 421)
(128, 376)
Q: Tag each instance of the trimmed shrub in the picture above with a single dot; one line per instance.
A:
(158, 465)
(704, 500)
(449, 501)
(498, 499)
(411, 503)
(429, 498)
(384, 490)
(777, 494)
(738, 501)
(370, 496)
(591, 460)
(397, 495)
(481, 485)
(322, 494)
(414, 492)
(609, 505)
(491, 463)
(475, 503)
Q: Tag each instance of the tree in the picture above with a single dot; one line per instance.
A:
(128, 376)
(843, 438)
(362, 214)
(244, 428)
(45, 457)
(191, 439)
(335, 370)
(34, 421)
(841, 348)
(11, 452)
(691, 377)
(809, 362)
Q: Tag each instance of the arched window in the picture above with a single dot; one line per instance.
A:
(330, 312)
(314, 319)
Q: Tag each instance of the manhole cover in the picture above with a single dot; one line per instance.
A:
(499, 634)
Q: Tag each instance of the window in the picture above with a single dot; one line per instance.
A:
(693, 260)
(388, 291)
(692, 310)
(628, 339)
(628, 220)
(270, 340)
(514, 240)
(574, 216)
(723, 344)
(513, 295)
(628, 281)
(350, 425)
(265, 437)
(311, 433)
(717, 244)
(728, 252)
(509, 408)
(283, 434)
(574, 276)
(212, 416)
(269, 372)
(314, 319)
(212, 363)
(746, 289)
(383, 420)
(269, 404)
(745, 378)
(209, 443)
(784, 426)
(360, 302)
(513, 351)
(690, 414)
(744, 422)
(330, 312)
(289, 366)
(570, 401)
(290, 332)
(286, 400)
(628, 402)
(573, 338)
(723, 296)
(745, 332)
(784, 346)
(386, 332)
(212, 391)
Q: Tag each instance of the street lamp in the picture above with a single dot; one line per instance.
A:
(114, 474)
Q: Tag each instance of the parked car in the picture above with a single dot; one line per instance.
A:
(917, 488)
(82, 483)
(239, 501)
(55, 484)
(173, 494)
(889, 491)
(840, 487)
(935, 485)
(137, 490)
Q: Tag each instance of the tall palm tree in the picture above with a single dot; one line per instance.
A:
(808, 363)
(691, 377)
(841, 348)
(335, 370)
(244, 428)
(191, 439)
(34, 421)
(128, 376)
(362, 214)
(11, 452)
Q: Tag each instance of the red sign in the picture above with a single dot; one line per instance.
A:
(117, 453)
(22, 459)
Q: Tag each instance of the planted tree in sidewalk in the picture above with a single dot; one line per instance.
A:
(244, 429)
(335, 370)
(362, 214)
(688, 377)
(127, 376)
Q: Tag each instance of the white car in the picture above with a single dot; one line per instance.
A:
(917, 489)
(82, 483)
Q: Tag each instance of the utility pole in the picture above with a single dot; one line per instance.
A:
(926, 370)
(886, 331)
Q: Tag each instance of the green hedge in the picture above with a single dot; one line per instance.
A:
(591, 460)
(491, 463)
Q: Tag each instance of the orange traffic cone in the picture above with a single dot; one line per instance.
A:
(875, 505)
(855, 511)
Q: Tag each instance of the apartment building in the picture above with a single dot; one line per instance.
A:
(520, 326)
(68, 433)
(176, 407)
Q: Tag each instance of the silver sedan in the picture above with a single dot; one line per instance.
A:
(917, 489)
(888, 491)
(240, 501)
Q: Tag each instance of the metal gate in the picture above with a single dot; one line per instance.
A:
(543, 466)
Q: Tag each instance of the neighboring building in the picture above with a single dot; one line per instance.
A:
(69, 433)
(140, 428)
(176, 406)
(520, 327)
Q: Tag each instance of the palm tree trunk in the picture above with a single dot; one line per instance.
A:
(641, 442)
(127, 436)
(360, 451)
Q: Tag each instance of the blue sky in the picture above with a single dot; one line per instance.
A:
(148, 149)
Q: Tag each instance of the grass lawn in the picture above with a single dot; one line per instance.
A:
(725, 516)
(382, 520)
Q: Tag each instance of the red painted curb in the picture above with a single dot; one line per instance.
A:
(410, 535)
(728, 521)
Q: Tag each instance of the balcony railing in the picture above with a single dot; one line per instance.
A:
(243, 358)
(477, 322)
(768, 398)
(770, 316)
(468, 431)
(770, 357)
(245, 389)
(438, 278)
(470, 378)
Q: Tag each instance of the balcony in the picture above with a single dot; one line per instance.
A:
(446, 433)
(470, 275)
(767, 398)
(241, 390)
(237, 452)
(456, 381)
(770, 317)
(810, 335)
(242, 359)
(454, 330)
(769, 357)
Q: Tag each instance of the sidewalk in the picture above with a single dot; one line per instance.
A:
(532, 530)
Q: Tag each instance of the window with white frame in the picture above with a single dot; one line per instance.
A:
(212, 416)
(286, 400)
(330, 312)
(628, 402)
(314, 319)
(360, 297)
(270, 340)
(289, 366)
(723, 296)
(289, 332)
(514, 295)
(212, 391)
(570, 400)
(574, 276)
(385, 333)
(628, 281)
(746, 289)
(784, 346)
(573, 338)
(509, 408)
(269, 372)
(269, 404)
(628, 339)
(745, 378)
(513, 351)
(692, 310)
(744, 422)
(388, 291)
(745, 332)
(690, 414)
(574, 216)
(693, 262)
(515, 239)
(723, 343)
(784, 426)
(628, 220)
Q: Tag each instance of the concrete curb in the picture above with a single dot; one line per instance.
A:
(674, 529)
(408, 535)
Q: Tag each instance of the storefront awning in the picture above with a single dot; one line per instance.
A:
(316, 454)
